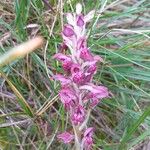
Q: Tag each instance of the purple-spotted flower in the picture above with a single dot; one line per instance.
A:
(78, 92)
(96, 91)
(78, 115)
(66, 137)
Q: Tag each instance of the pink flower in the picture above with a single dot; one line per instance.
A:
(96, 91)
(78, 93)
(88, 138)
(66, 137)
(65, 60)
(75, 68)
(78, 78)
(78, 115)
(80, 21)
(89, 16)
(68, 97)
(62, 58)
(68, 31)
(63, 47)
(94, 102)
(92, 69)
(81, 43)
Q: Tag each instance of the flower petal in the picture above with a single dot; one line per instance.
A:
(88, 138)
(78, 115)
(78, 77)
(70, 19)
(80, 21)
(81, 43)
(89, 132)
(86, 55)
(66, 137)
(61, 57)
(75, 68)
(68, 31)
(96, 91)
(64, 80)
(89, 16)
(78, 9)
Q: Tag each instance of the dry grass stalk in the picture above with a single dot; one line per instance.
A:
(21, 50)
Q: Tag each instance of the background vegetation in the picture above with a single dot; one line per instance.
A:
(30, 112)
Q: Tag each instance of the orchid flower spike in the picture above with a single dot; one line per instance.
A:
(78, 93)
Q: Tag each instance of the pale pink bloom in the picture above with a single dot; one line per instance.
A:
(78, 75)
(94, 102)
(78, 115)
(98, 58)
(67, 65)
(66, 137)
(88, 138)
(88, 77)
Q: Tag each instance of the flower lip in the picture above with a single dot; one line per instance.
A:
(78, 115)
(78, 9)
(68, 31)
(65, 60)
(81, 43)
(66, 137)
